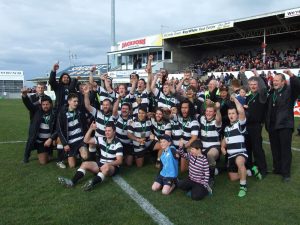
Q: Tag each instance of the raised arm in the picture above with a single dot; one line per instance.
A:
(28, 104)
(87, 102)
(88, 139)
(153, 85)
(116, 106)
(52, 78)
(149, 71)
(92, 73)
(218, 115)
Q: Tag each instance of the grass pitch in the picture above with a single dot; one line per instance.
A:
(30, 193)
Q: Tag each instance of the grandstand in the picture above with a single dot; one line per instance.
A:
(182, 48)
(11, 83)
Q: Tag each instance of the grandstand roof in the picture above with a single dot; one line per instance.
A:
(285, 23)
(75, 71)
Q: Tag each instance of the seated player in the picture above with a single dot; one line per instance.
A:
(110, 160)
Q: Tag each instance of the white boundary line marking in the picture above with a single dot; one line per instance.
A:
(11, 142)
(156, 215)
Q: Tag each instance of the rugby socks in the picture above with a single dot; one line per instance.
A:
(92, 153)
(78, 175)
(60, 153)
(98, 178)
(243, 183)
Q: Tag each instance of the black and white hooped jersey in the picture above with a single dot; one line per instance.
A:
(101, 121)
(144, 97)
(44, 130)
(234, 139)
(122, 129)
(160, 128)
(140, 130)
(125, 99)
(102, 94)
(209, 133)
(176, 133)
(109, 152)
(187, 127)
(74, 127)
(165, 101)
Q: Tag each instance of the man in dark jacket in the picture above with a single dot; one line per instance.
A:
(62, 89)
(255, 111)
(41, 131)
(71, 128)
(280, 122)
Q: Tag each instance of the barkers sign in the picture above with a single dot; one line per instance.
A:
(134, 43)
(155, 40)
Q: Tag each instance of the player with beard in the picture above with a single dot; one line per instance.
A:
(139, 131)
(102, 118)
(121, 123)
(186, 126)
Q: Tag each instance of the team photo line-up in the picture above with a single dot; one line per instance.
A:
(180, 125)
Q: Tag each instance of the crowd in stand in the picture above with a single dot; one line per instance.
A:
(182, 125)
(274, 59)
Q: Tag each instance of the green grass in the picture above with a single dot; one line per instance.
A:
(30, 193)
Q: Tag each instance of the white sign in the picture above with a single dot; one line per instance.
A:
(11, 75)
(292, 13)
(196, 30)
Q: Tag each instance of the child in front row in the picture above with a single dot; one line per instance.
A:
(197, 181)
(233, 144)
(167, 177)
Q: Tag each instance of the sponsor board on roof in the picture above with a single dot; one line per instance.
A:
(196, 30)
(292, 13)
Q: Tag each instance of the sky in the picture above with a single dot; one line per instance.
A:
(35, 34)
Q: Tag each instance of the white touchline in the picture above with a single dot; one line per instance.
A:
(156, 215)
(11, 142)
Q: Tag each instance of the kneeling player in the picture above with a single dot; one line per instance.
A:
(234, 145)
(110, 160)
(167, 176)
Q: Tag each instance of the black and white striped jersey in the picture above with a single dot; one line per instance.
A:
(144, 97)
(165, 101)
(75, 132)
(102, 94)
(109, 151)
(101, 121)
(140, 130)
(160, 128)
(209, 133)
(234, 138)
(187, 127)
(122, 129)
(44, 130)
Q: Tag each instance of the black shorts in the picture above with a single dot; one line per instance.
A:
(151, 146)
(165, 180)
(117, 168)
(140, 154)
(41, 148)
(231, 165)
(128, 149)
(206, 150)
(74, 148)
